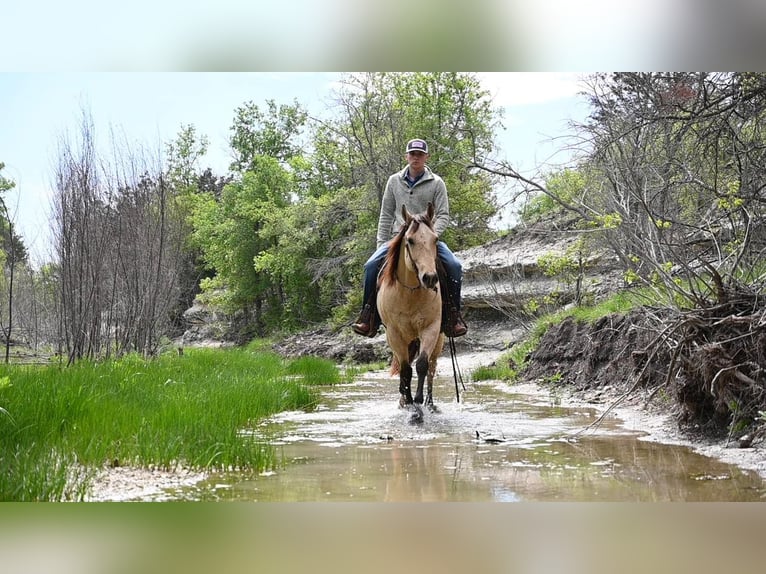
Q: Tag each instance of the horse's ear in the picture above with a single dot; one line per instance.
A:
(406, 214)
(430, 211)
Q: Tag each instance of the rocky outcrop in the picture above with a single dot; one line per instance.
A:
(505, 273)
(207, 325)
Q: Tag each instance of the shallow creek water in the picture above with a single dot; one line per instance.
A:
(359, 446)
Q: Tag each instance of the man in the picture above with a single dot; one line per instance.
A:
(415, 186)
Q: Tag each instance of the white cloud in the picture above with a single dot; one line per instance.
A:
(519, 89)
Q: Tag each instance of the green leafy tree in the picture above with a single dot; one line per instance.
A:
(186, 182)
(567, 186)
(235, 229)
(183, 155)
(232, 233)
(311, 248)
(273, 132)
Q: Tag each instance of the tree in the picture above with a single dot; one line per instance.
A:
(680, 159)
(231, 234)
(118, 241)
(13, 251)
(272, 133)
(187, 183)
(183, 154)
(673, 169)
(234, 227)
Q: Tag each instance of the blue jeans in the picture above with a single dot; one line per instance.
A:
(452, 266)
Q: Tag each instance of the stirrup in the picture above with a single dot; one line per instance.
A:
(363, 329)
(366, 325)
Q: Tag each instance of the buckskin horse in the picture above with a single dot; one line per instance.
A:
(410, 306)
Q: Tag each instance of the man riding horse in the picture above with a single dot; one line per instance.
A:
(414, 187)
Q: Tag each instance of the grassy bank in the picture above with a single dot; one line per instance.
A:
(58, 425)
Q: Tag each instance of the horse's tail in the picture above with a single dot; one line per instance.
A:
(395, 366)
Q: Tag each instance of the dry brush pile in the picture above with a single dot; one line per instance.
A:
(718, 355)
(710, 363)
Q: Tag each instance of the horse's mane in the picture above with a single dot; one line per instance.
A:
(388, 271)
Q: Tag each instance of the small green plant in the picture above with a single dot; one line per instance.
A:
(553, 379)
(503, 370)
(568, 268)
(565, 186)
(663, 397)
(607, 221)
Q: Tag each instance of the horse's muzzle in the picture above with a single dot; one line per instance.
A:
(430, 280)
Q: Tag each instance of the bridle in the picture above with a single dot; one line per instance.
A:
(414, 265)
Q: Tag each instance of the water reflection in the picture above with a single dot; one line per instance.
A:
(358, 446)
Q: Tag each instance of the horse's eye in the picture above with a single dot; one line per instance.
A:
(410, 241)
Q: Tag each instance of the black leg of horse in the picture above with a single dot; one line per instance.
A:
(405, 391)
(421, 365)
(405, 378)
(430, 396)
(417, 410)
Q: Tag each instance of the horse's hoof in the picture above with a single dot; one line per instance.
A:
(432, 408)
(403, 402)
(416, 417)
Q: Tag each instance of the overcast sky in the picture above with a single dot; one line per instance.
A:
(148, 109)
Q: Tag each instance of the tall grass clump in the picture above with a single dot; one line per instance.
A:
(314, 371)
(58, 424)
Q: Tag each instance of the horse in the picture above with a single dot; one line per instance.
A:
(410, 306)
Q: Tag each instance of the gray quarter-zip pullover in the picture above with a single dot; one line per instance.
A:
(429, 188)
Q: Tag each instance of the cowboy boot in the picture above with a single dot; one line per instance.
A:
(368, 322)
(452, 322)
(454, 326)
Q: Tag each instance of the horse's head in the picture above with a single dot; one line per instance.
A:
(420, 245)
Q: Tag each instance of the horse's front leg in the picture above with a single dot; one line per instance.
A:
(421, 365)
(430, 386)
(405, 398)
(405, 380)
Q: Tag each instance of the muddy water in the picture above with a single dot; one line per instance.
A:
(359, 446)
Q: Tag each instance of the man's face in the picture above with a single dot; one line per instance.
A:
(417, 160)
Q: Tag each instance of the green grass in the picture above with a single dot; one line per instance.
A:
(59, 424)
(492, 372)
